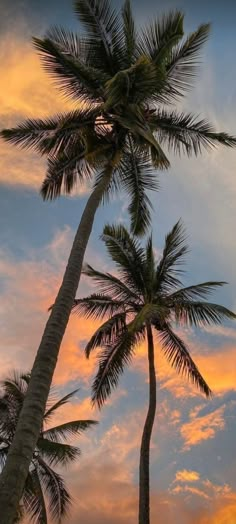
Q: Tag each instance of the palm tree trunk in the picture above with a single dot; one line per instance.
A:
(144, 495)
(13, 477)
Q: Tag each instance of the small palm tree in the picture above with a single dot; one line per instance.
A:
(43, 482)
(123, 82)
(145, 298)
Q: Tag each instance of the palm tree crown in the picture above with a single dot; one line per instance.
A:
(145, 294)
(43, 481)
(123, 82)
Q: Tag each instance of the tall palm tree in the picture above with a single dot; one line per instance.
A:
(146, 298)
(123, 81)
(43, 483)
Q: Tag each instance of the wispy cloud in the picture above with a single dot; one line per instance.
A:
(201, 428)
(185, 475)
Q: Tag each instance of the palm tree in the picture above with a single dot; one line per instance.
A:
(146, 297)
(123, 82)
(43, 482)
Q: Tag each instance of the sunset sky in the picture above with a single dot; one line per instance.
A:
(193, 446)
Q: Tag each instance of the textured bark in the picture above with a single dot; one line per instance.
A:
(144, 494)
(13, 477)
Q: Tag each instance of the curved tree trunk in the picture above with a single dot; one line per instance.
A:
(13, 477)
(144, 496)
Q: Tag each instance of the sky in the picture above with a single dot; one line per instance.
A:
(193, 444)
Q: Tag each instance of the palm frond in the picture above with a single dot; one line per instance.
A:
(70, 74)
(179, 357)
(201, 313)
(65, 170)
(111, 285)
(33, 498)
(150, 269)
(134, 119)
(3, 455)
(173, 254)
(148, 313)
(15, 386)
(183, 63)
(127, 253)
(130, 34)
(61, 402)
(133, 85)
(54, 486)
(110, 165)
(68, 42)
(112, 361)
(161, 36)
(192, 292)
(138, 177)
(68, 429)
(97, 306)
(103, 33)
(107, 333)
(54, 134)
(185, 133)
(56, 452)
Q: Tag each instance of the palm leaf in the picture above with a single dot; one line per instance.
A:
(183, 64)
(107, 333)
(15, 386)
(133, 85)
(173, 253)
(196, 291)
(112, 361)
(178, 355)
(150, 269)
(111, 285)
(54, 486)
(54, 134)
(68, 42)
(136, 122)
(130, 34)
(68, 429)
(71, 75)
(33, 498)
(128, 255)
(3, 455)
(161, 36)
(65, 170)
(184, 132)
(201, 313)
(148, 313)
(138, 177)
(61, 402)
(103, 33)
(56, 452)
(97, 306)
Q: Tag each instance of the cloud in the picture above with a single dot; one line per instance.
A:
(191, 489)
(185, 475)
(204, 489)
(202, 428)
(28, 288)
(26, 91)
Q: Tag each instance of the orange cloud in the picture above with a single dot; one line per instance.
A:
(186, 476)
(23, 310)
(202, 428)
(225, 512)
(191, 489)
(115, 499)
(26, 91)
(215, 367)
(218, 370)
